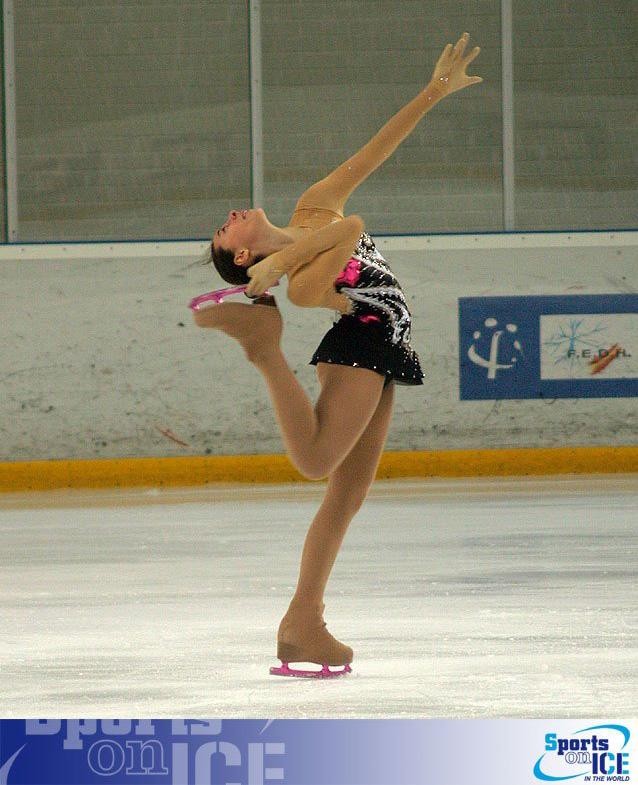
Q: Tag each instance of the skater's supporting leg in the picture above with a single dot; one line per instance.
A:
(347, 488)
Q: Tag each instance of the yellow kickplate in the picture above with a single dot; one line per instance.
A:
(129, 472)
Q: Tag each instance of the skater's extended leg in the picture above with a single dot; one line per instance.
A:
(319, 438)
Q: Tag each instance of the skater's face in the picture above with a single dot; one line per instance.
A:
(242, 230)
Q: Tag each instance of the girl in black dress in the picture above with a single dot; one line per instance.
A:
(330, 262)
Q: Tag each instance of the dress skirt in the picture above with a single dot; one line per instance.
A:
(359, 344)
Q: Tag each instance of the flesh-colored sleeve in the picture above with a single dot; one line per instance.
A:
(314, 261)
(333, 191)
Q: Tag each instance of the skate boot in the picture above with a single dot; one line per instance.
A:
(257, 327)
(303, 637)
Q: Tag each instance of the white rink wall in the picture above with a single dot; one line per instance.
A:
(100, 357)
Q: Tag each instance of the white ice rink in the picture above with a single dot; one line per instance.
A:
(461, 598)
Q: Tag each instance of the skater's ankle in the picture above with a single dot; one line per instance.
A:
(306, 605)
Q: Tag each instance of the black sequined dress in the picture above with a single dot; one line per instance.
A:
(376, 335)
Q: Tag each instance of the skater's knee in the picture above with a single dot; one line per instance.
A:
(349, 498)
(314, 466)
(354, 499)
(312, 471)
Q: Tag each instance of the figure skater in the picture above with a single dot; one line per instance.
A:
(330, 262)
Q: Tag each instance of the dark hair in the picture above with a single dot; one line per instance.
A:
(224, 261)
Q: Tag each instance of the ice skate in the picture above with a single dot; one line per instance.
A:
(257, 327)
(303, 637)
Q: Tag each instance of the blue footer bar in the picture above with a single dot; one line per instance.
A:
(316, 752)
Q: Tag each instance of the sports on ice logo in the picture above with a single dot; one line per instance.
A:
(177, 751)
(499, 354)
(591, 754)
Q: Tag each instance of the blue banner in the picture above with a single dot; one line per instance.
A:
(315, 752)
(572, 346)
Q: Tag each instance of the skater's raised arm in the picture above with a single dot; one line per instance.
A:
(449, 76)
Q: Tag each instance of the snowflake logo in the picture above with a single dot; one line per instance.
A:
(564, 345)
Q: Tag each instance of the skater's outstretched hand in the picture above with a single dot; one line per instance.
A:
(449, 71)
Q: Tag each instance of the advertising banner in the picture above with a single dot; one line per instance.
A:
(573, 346)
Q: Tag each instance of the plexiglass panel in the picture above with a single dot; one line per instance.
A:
(334, 73)
(133, 117)
(575, 102)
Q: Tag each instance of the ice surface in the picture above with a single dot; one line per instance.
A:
(461, 598)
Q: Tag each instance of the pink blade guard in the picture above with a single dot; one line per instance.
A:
(217, 296)
(324, 673)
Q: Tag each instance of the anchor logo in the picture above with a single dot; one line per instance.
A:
(492, 363)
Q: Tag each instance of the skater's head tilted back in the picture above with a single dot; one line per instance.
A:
(246, 238)
(232, 246)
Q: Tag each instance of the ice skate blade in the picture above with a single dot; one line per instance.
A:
(210, 299)
(324, 673)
